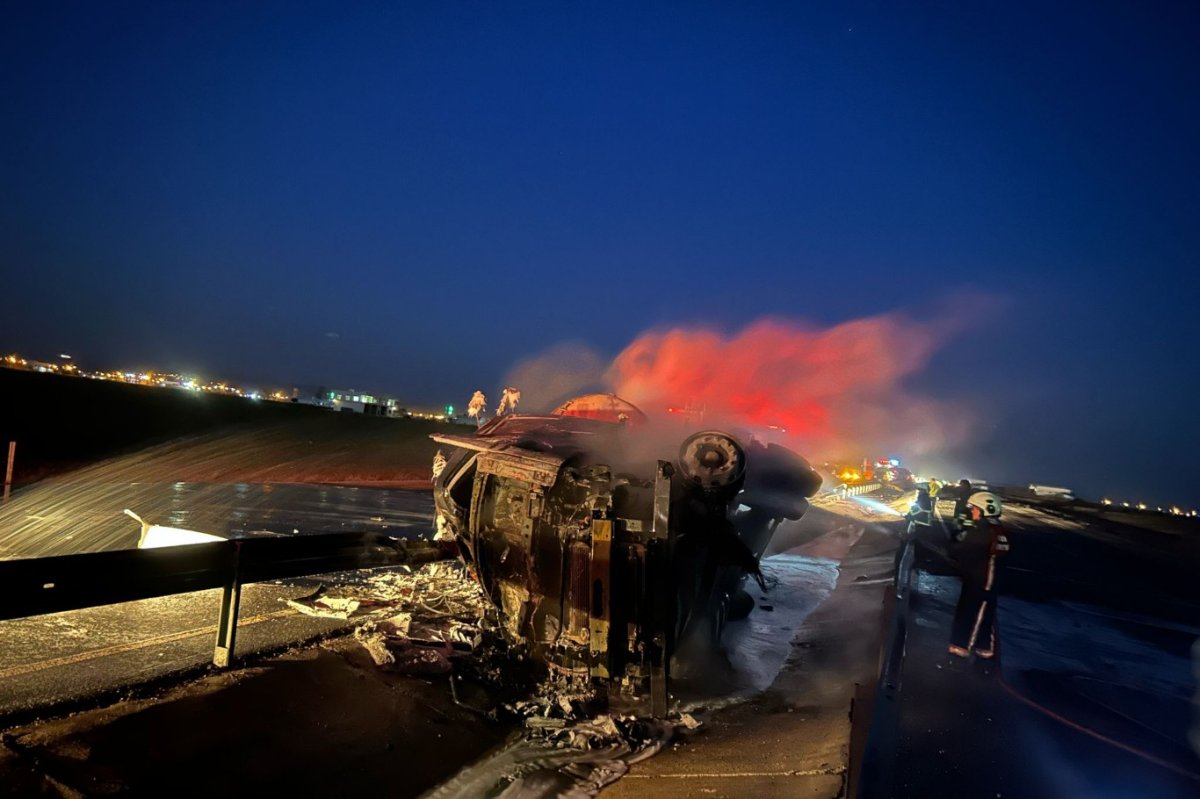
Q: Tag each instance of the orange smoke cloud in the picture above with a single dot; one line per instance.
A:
(837, 391)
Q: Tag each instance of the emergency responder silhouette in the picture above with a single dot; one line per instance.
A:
(935, 486)
(975, 617)
(960, 508)
(921, 512)
(919, 515)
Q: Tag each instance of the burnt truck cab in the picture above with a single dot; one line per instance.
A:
(602, 560)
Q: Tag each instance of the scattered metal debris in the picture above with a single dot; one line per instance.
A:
(328, 607)
(412, 621)
(563, 753)
(376, 645)
(436, 620)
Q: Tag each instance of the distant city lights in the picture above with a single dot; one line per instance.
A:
(1174, 510)
(141, 378)
(156, 379)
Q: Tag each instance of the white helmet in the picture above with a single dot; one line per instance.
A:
(988, 503)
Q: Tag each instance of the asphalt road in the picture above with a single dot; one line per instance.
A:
(325, 721)
(319, 721)
(794, 738)
(55, 660)
(1092, 692)
(84, 514)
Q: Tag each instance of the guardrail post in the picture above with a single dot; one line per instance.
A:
(12, 455)
(231, 598)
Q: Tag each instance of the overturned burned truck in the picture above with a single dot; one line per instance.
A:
(604, 560)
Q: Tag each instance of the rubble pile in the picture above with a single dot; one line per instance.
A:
(628, 734)
(435, 620)
(411, 620)
(564, 752)
(560, 715)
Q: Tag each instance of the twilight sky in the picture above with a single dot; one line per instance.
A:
(413, 198)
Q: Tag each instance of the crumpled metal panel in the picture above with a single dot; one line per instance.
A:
(538, 468)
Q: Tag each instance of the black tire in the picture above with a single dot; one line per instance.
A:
(740, 605)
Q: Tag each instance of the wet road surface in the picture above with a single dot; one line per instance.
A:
(1092, 691)
(65, 657)
(63, 517)
(305, 723)
(55, 660)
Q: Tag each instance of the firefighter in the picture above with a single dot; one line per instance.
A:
(921, 512)
(919, 515)
(975, 617)
(962, 518)
(960, 498)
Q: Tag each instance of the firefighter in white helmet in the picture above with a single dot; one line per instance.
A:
(975, 617)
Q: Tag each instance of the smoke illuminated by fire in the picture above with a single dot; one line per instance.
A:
(836, 391)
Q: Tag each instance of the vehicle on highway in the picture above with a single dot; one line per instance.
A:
(611, 550)
(1052, 492)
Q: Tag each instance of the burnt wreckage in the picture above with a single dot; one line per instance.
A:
(602, 560)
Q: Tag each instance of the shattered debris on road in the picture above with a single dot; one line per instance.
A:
(564, 751)
(417, 621)
(411, 621)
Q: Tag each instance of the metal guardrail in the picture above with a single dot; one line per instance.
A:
(37, 586)
(873, 777)
(857, 489)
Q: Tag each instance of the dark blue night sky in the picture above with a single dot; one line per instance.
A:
(413, 197)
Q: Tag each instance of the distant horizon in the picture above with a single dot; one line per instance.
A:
(206, 375)
(1117, 498)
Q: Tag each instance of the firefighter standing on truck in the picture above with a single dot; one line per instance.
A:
(975, 617)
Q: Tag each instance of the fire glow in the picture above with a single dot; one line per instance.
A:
(833, 389)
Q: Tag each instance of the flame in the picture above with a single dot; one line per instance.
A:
(477, 404)
(508, 401)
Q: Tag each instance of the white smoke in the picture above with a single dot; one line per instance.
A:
(565, 370)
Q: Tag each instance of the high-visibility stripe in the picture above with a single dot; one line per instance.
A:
(991, 647)
(978, 622)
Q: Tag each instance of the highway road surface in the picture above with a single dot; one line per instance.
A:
(59, 659)
(325, 721)
(72, 514)
(1092, 692)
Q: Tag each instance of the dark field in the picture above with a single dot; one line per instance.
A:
(63, 423)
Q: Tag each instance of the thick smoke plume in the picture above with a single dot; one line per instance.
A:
(565, 370)
(838, 392)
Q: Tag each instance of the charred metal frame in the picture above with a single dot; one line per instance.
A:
(660, 552)
(606, 557)
(603, 562)
(599, 611)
